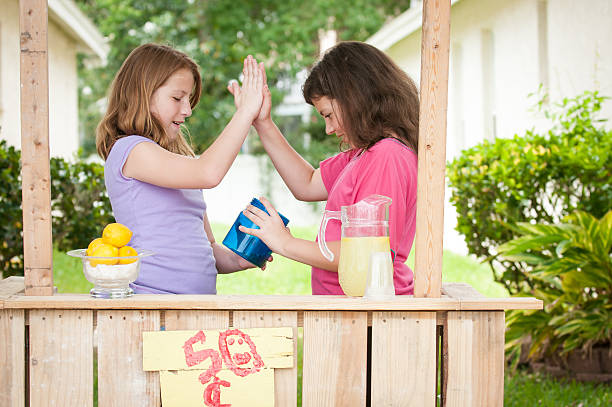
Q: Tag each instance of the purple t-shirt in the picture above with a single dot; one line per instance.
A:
(170, 222)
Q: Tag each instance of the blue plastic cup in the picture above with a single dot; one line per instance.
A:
(247, 246)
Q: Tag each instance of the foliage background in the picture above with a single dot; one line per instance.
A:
(79, 206)
(218, 34)
(572, 259)
(536, 177)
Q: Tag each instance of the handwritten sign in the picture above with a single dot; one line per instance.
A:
(197, 367)
(183, 388)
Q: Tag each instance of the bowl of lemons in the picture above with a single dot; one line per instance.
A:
(110, 264)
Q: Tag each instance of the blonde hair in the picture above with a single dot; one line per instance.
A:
(146, 69)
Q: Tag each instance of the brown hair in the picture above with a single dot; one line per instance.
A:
(146, 69)
(376, 98)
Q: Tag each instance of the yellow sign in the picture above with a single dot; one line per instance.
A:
(183, 389)
(218, 368)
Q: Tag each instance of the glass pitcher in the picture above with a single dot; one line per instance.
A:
(365, 230)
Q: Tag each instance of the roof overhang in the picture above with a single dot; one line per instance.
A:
(400, 27)
(67, 15)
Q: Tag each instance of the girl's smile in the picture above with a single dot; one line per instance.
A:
(170, 103)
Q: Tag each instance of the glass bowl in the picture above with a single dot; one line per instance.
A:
(110, 280)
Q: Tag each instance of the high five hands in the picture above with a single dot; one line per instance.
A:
(249, 96)
(238, 92)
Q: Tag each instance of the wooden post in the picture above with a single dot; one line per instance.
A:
(35, 173)
(432, 148)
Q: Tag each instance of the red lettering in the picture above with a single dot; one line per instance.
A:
(234, 360)
(212, 393)
(193, 358)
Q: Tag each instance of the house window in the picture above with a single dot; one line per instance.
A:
(488, 85)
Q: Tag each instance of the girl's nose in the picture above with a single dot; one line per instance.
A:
(187, 109)
(329, 128)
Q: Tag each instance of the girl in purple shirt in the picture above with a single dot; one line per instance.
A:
(372, 106)
(153, 179)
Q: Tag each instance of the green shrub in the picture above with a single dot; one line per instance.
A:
(80, 207)
(532, 178)
(11, 229)
(573, 261)
(79, 202)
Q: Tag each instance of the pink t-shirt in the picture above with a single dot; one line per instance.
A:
(388, 168)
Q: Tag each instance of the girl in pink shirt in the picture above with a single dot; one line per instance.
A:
(372, 106)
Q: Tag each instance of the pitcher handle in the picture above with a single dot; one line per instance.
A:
(328, 254)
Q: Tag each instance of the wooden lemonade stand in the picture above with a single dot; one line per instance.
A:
(447, 339)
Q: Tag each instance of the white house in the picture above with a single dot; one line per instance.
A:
(69, 33)
(500, 52)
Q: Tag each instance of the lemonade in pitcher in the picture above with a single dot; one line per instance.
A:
(365, 230)
(354, 261)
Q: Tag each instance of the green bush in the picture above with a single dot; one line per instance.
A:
(532, 178)
(80, 207)
(573, 261)
(11, 229)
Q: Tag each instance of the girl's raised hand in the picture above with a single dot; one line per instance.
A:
(266, 106)
(248, 97)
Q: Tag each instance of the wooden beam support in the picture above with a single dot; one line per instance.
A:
(432, 148)
(35, 172)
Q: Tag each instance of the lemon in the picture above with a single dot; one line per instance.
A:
(92, 246)
(116, 234)
(104, 250)
(127, 251)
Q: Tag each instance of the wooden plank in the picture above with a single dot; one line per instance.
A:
(460, 368)
(268, 302)
(402, 341)
(500, 304)
(189, 319)
(121, 380)
(9, 287)
(35, 173)
(488, 358)
(461, 291)
(443, 360)
(335, 357)
(475, 359)
(61, 358)
(285, 380)
(12, 358)
(435, 47)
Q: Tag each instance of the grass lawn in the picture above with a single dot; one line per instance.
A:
(525, 389)
(283, 276)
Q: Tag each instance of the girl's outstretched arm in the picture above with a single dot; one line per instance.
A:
(304, 181)
(273, 233)
(153, 164)
(226, 260)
